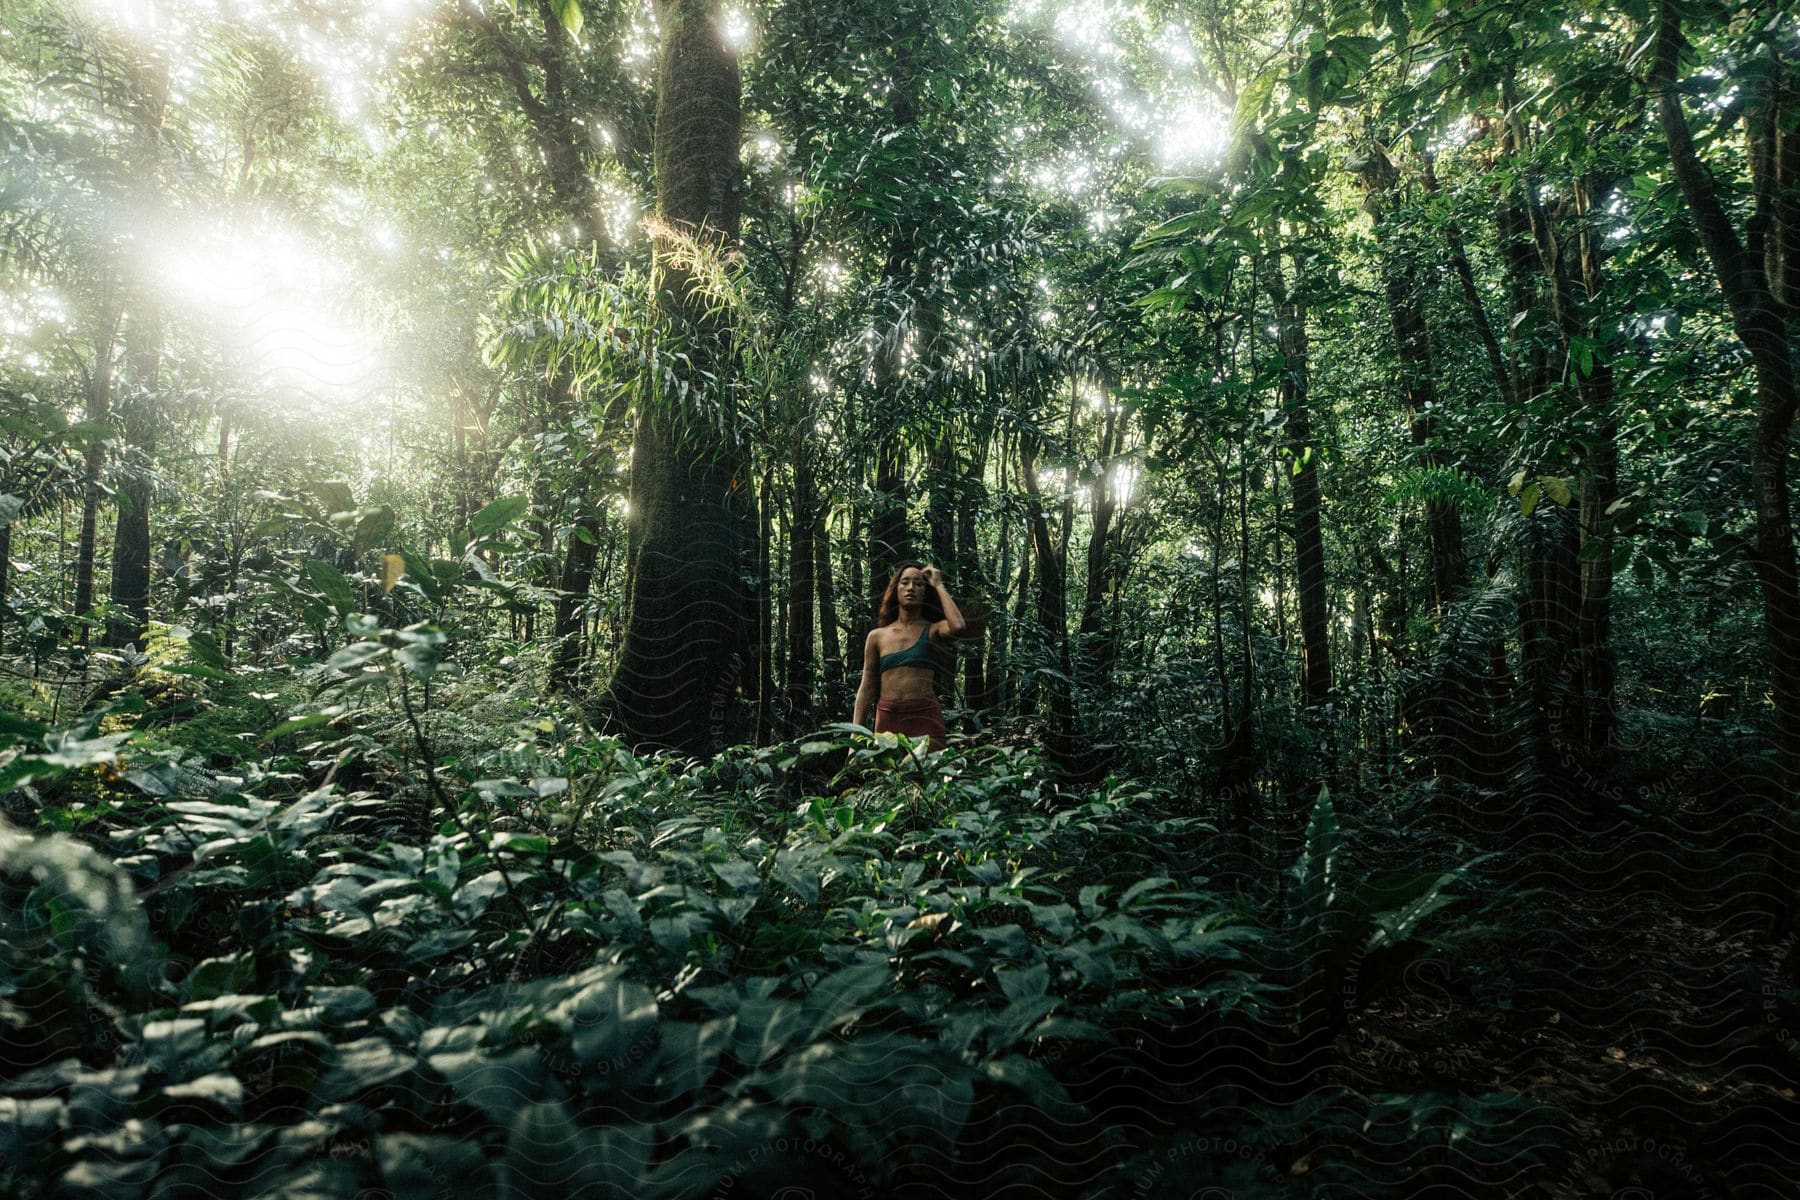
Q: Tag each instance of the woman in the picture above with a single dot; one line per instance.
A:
(900, 657)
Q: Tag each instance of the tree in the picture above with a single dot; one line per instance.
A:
(685, 644)
(1762, 294)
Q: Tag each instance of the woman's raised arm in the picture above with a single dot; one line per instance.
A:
(953, 622)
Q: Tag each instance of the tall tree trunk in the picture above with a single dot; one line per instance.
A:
(800, 592)
(1237, 771)
(99, 413)
(1052, 619)
(1505, 386)
(1756, 302)
(131, 535)
(1592, 721)
(945, 498)
(1095, 637)
(5, 579)
(890, 541)
(571, 600)
(831, 653)
(997, 687)
(976, 582)
(853, 655)
(1024, 699)
(768, 639)
(1309, 541)
(682, 660)
(575, 580)
(143, 353)
(1550, 603)
(1418, 378)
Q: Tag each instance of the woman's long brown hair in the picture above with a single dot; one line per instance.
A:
(890, 599)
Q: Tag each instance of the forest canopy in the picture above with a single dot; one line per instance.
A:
(453, 454)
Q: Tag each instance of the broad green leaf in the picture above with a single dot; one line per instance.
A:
(333, 584)
(1528, 498)
(497, 515)
(569, 13)
(372, 527)
(334, 496)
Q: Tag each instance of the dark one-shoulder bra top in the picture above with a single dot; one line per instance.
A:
(920, 654)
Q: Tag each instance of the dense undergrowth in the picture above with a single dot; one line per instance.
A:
(296, 962)
(319, 931)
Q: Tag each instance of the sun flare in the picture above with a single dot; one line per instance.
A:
(277, 305)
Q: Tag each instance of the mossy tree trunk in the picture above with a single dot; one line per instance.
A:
(681, 667)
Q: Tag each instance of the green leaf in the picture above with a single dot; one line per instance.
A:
(356, 655)
(10, 508)
(26, 769)
(334, 496)
(1354, 53)
(203, 648)
(1528, 498)
(497, 515)
(374, 525)
(433, 1167)
(842, 996)
(333, 584)
(613, 1028)
(569, 13)
(1317, 868)
(547, 1154)
(887, 1080)
(69, 749)
(1397, 925)
(1140, 887)
(1581, 349)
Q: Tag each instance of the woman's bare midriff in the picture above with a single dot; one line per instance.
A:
(907, 683)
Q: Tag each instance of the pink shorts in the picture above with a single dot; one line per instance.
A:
(915, 718)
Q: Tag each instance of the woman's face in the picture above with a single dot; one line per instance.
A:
(914, 586)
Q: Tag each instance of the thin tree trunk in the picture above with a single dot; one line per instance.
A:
(1309, 541)
(99, 412)
(1418, 381)
(575, 580)
(1592, 721)
(852, 658)
(832, 651)
(998, 689)
(945, 497)
(890, 541)
(131, 535)
(5, 579)
(1025, 702)
(762, 651)
(1549, 606)
(1505, 386)
(571, 600)
(1095, 639)
(800, 592)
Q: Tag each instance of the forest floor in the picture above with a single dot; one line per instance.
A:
(1603, 1014)
(1647, 1013)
